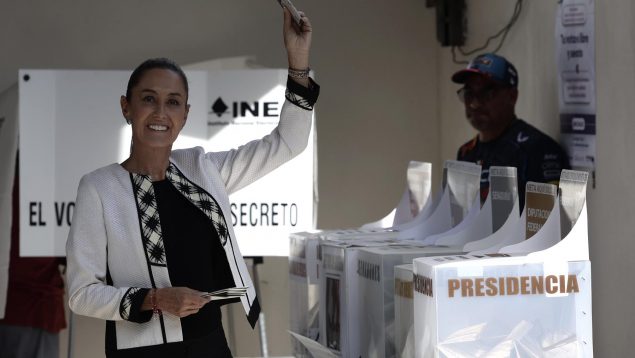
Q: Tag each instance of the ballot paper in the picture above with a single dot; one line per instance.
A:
(226, 293)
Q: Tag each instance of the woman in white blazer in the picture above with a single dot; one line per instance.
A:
(151, 235)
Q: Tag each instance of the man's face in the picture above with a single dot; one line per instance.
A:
(489, 106)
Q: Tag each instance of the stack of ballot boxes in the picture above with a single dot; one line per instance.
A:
(529, 295)
(357, 285)
(356, 293)
(305, 253)
(480, 279)
(482, 227)
(478, 223)
(305, 265)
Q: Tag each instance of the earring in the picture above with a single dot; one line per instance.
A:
(128, 120)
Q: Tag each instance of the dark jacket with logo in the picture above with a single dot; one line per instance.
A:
(536, 156)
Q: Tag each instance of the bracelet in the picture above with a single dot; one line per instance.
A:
(293, 73)
(153, 300)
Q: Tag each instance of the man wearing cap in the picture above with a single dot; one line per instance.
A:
(489, 92)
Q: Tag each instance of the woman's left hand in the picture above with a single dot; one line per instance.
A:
(297, 40)
(179, 301)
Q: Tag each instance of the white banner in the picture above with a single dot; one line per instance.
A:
(575, 51)
(71, 124)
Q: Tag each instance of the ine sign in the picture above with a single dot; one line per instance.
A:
(71, 124)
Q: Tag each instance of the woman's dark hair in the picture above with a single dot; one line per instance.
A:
(150, 64)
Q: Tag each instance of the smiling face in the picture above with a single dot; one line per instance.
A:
(156, 108)
(489, 106)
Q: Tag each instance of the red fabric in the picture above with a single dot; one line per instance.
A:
(35, 296)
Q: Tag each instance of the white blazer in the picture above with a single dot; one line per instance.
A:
(114, 248)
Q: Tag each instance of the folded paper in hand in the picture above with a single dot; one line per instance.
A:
(226, 293)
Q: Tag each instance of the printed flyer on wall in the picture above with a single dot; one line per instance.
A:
(575, 51)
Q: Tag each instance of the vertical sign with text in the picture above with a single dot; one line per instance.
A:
(575, 51)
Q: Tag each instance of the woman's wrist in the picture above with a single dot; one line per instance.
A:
(299, 79)
(151, 301)
(154, 302)
(298, 59)
(299, 68)
(298, 74)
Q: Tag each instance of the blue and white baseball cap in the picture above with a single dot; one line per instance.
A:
(492, 66)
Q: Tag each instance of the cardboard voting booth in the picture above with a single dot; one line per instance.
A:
(228, 109)
(529, 299)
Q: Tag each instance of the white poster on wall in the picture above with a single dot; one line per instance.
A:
(71, 124)
(575, 49)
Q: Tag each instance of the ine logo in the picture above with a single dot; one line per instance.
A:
(219, 107)
(244, 108)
